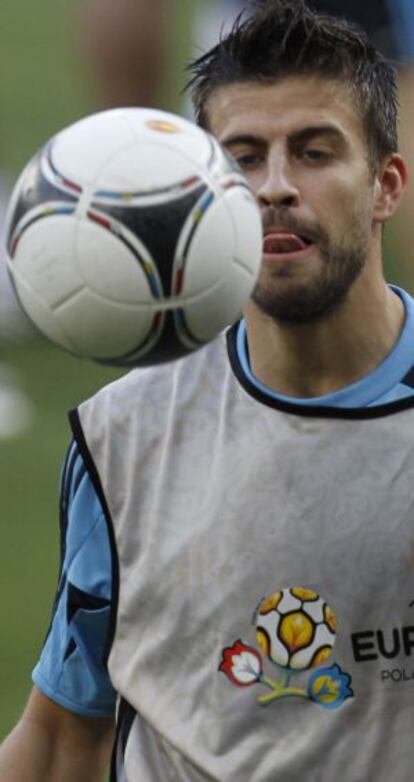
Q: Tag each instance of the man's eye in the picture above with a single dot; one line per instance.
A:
(316, 154)
(248, 161)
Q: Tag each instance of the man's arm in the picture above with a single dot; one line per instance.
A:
(53, 744)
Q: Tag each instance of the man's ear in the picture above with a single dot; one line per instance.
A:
(390, 185)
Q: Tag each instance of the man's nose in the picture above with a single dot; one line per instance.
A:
(278, 188)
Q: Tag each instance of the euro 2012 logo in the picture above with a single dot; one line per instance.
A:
(296, 631)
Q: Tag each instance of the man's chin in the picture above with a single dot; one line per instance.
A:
(311, 292)
(297, 304)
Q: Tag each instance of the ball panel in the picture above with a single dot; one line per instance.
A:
(296, 630)
(271, 645)
(316, 652)
(32, 192)
(307, 595)
(202, 260)
(125, 172)
(289, 602)
(324, 636)
(43, 261)
(42, 317)
(248, 229)
(315, 610)
(156, 228)
(270, 603)
(178, 133)
(110, 269)
(81, 151)
(321, 656)
(329, 618)
(164, 348)
(103, 329)
(211, 312)
(263, 640)
(55, 177)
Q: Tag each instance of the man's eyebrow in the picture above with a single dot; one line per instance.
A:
(297, 137)
(312, 131)
(242, 138)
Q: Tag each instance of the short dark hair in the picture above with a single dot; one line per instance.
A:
(283, 38)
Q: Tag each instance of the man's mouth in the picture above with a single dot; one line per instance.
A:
(285, 243)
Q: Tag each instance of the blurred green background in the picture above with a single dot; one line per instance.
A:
(43, 87)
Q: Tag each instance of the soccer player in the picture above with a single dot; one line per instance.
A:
(237, 527)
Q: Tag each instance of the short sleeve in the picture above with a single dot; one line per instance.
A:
(72, 667)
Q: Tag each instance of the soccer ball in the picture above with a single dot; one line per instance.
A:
(132, 238)
(296, 629)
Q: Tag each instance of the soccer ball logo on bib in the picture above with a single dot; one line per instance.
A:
(296, 632)
(296, 629)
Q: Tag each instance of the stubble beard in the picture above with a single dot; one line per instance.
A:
(303, 303)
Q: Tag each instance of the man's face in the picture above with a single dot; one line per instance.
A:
(301, 145)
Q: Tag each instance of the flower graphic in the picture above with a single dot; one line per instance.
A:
(295, 631)
(329, 687)
(242, 664)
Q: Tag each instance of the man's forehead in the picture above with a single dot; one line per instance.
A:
(282, 106)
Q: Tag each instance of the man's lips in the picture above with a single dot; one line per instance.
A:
(283, 243)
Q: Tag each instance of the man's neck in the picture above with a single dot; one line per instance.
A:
(306, 361)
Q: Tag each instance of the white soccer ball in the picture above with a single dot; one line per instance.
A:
(296, 628)
(133, 238)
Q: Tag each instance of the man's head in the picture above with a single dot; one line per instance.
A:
(308, 108)
(287, 38)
